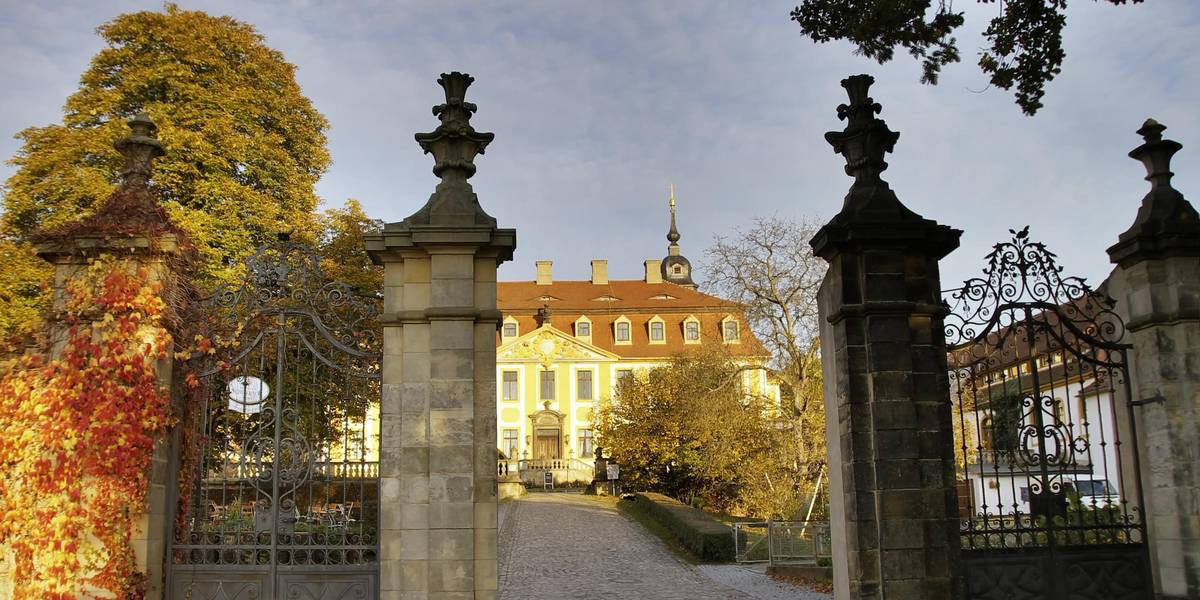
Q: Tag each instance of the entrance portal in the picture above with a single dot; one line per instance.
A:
(547, 444)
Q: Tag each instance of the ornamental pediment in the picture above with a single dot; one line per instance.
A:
(548, 345)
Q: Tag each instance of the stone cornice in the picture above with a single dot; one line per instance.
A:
(397, 238)
(83, 246)
(844, 233)
(454, 313)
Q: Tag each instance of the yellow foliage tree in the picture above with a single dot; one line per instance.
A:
(245, 145)
(690, 430)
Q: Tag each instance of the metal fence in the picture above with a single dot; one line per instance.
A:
(750, 542)
(781, 542)
(798, 542)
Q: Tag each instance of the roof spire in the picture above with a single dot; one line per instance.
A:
(675, 268)
(673, 235)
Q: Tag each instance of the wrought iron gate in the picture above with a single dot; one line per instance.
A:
(279, 479)
(1050, 484)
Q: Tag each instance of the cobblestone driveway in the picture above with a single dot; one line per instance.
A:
(556, 546)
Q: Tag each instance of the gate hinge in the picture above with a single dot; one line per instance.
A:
(1155, 399)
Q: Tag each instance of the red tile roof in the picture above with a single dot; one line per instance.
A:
(636, 300)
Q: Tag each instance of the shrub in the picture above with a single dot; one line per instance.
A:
(702, 535)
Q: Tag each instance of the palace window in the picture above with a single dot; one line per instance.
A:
(729, 330)
(356, 444)
(583, 329)
(624, 375)
(510, 388)
(547, 385)
(583, 385)
(691, 331)
(585, 443)
(622, 334)
(510, 328)
(657, 331)
(509, 443)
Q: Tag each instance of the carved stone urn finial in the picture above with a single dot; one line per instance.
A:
(1156, 153)
(1166, 224)
(871, 212)
(139, 148)
(454, 145)
(865, 139)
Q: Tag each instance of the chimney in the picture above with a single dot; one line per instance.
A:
(543, 272)
(654, 271)
(600, 272)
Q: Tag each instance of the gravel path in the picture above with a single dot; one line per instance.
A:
(556, 546)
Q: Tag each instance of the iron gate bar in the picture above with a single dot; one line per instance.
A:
(1018, 337)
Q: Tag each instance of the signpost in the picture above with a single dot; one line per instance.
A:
(547, 480)
(614, 473)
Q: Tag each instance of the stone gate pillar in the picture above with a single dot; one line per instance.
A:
(893, 506)
(1157, 288)
(129, 225)
(438, 412)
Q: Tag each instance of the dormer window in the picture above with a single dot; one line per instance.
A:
(658, 330)
(622, 331)
(691, 330)
(510, 330)
(583, 329)
(729, 330)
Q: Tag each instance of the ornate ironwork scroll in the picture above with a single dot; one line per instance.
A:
(286, 472)
(1039, 376)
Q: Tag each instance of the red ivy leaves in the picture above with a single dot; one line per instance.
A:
(77, 433)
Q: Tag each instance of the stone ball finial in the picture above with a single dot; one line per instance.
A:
(139, 148)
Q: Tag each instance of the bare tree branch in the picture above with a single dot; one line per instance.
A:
(771, 270)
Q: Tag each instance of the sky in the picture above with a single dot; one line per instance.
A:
(598, 106)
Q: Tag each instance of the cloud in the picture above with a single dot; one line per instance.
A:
(597, 106)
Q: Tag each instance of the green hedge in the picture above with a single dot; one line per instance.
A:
(703, 535)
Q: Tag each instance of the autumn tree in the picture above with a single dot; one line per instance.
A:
(690, 430)
(1024, 42)
(245, 146)
(343, 251)
(770, 269)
